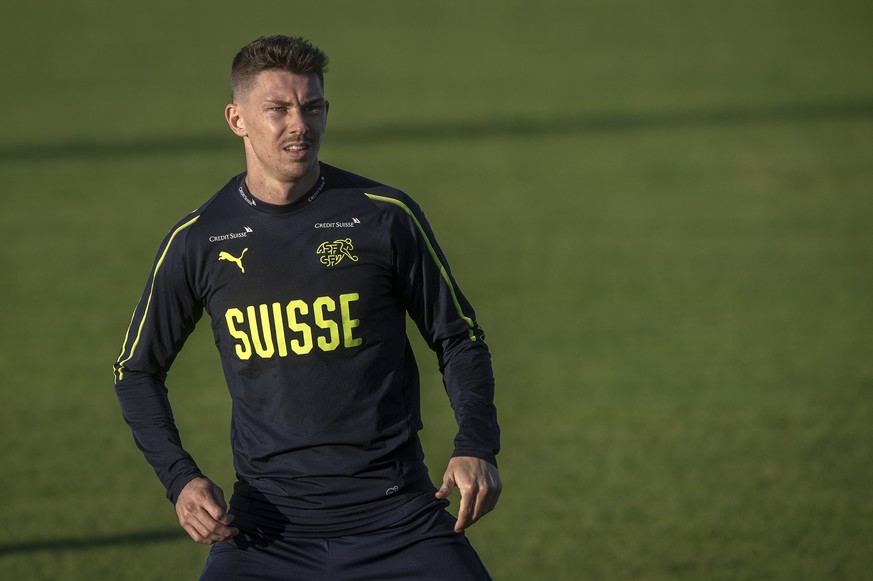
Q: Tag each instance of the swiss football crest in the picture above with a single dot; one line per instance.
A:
(332, 253)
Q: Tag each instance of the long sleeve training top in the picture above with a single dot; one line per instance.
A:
(308, 307)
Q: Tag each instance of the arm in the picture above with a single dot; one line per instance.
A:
(448, 324)
(199, 503)
(162, 321)
(469, 381)
(166, 315)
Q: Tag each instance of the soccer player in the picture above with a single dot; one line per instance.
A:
(307, 273)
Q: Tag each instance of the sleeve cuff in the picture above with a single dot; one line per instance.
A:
(487, 456)
(176, 488)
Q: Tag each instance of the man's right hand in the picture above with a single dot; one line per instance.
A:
(203, 513)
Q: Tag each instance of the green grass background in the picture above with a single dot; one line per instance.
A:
(663, 212)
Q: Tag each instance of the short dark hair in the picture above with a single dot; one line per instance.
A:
(288, 53)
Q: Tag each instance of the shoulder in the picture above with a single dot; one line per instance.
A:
(212, 208)
(388, 199)
(376, 191)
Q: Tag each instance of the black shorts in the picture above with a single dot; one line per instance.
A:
(423, 546)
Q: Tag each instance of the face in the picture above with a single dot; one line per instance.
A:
(281, 120)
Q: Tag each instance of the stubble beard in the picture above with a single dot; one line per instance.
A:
(278, 169)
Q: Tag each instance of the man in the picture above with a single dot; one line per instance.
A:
(307, 273)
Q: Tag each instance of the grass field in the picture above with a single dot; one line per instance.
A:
(663, 212)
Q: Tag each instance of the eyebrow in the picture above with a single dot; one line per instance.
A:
(283, 103)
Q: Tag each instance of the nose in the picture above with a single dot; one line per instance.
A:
(296, 121)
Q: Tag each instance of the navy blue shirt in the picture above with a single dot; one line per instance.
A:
(308, 304)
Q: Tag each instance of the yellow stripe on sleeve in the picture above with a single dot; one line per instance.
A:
(120, 362)
(432, 251)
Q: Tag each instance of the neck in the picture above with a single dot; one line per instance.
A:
(280, 191)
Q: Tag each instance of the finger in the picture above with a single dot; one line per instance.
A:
(218, 530)
(489, 504)
(196, 530)
(228, 531)
(218, 499)
(209, 537)
(490, 499)
(447, 487)
(215, 512)
(483, 500)
(479, 505)
(208, 529)
(192, 532)
(218, 518)
(465, 512)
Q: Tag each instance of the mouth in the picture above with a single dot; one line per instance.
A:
(296, 150)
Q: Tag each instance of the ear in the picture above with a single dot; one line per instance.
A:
(326, 111)
(234, 119)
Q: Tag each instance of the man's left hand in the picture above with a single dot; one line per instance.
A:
(479, 484)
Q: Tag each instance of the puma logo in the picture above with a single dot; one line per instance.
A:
(231, 258)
